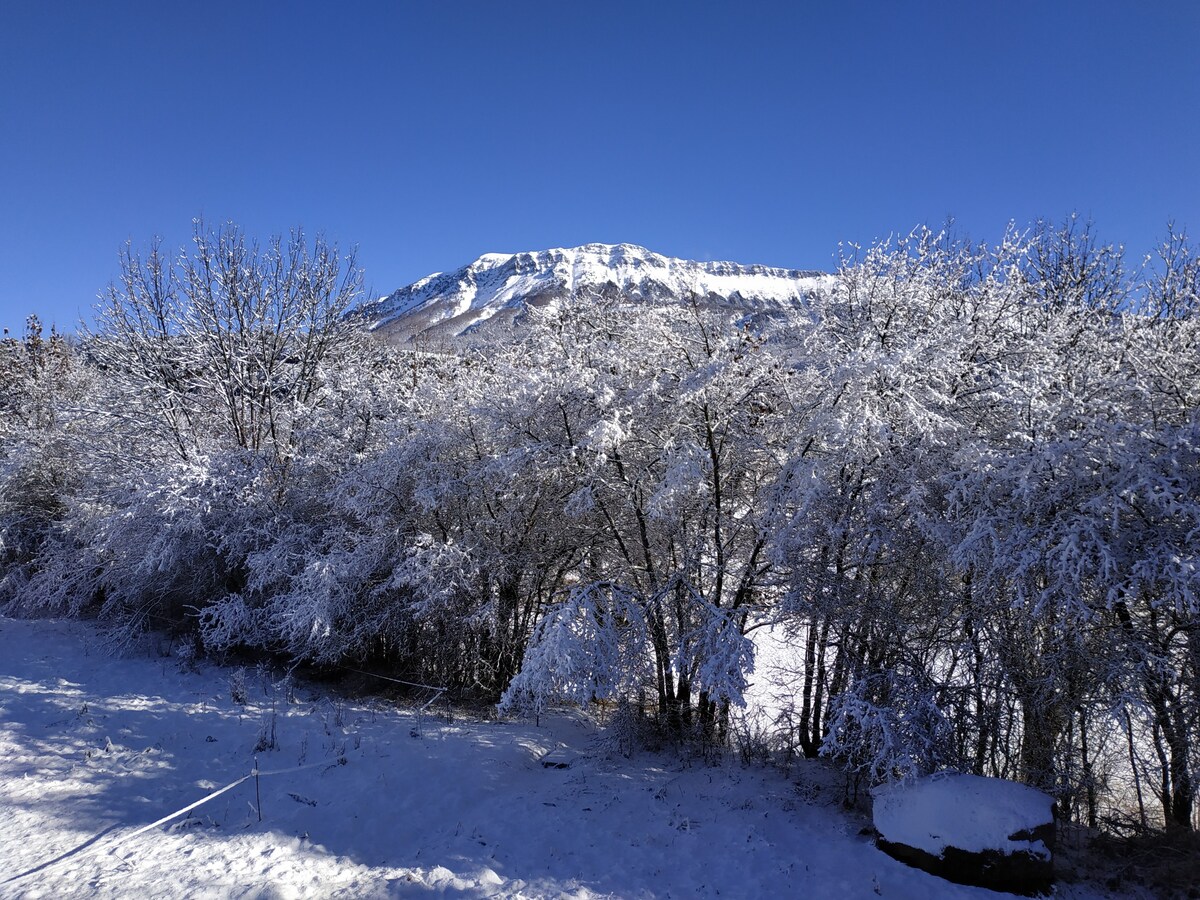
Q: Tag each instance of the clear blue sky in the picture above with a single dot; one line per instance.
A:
(428, 133)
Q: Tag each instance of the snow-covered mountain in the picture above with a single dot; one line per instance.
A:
(497, 287)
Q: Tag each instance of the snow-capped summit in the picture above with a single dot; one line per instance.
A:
(498, 286)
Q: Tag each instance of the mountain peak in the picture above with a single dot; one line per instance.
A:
(496, 287)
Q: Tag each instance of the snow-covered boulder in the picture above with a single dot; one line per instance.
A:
(982, 831)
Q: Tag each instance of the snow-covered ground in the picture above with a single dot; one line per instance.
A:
(93, 748)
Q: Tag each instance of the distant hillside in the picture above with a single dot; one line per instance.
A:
(497, 287)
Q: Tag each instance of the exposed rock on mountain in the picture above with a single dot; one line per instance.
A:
(497, 288)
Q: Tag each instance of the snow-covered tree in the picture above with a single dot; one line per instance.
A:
(211, 369)
(43, 387)
(965, 477)
(673, 454)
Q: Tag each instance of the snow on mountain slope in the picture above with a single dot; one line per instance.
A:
(498, 286)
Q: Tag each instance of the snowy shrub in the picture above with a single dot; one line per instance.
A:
(630, 729)
(753, 738)
(593, 647)
(238, 690)
(226, 623)
(41, 470)
(885, 728)
(721, 655)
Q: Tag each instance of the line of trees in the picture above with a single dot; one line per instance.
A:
(965, 480)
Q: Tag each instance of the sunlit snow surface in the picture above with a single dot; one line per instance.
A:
(497, 282)
(963, 811)
(92, 745)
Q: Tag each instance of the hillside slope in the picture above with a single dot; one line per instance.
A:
(497, 287)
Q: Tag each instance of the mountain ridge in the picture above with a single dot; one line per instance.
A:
(497, 287)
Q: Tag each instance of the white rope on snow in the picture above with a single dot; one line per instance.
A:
(438, 691)
(428, 687)
(90, 845)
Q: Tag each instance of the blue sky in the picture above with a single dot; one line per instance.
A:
(430, 133)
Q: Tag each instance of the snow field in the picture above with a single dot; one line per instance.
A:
(92, 748)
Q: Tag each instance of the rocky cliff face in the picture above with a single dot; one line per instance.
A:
(496, 288)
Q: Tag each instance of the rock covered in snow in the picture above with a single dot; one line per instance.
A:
(497, 287)
(969, 829)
